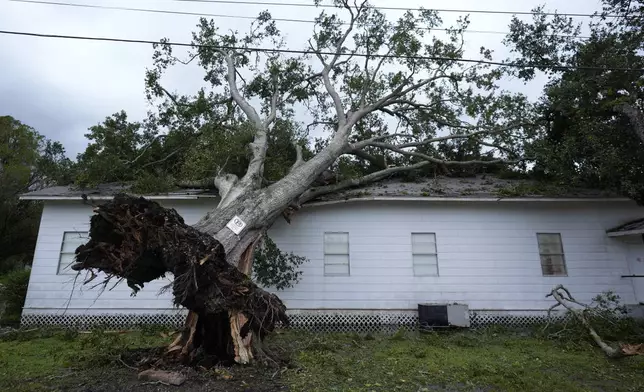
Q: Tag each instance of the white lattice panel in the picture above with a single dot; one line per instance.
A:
(314, 321)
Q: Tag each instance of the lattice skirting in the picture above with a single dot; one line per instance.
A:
(314, 321)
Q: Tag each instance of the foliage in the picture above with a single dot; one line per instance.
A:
(13, 290)
(28, 162)
(156, 161)
(430, 93)
(590, 139)
(274, 268)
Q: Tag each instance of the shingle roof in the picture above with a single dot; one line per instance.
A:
(630, 228)
(478, 187)
(107, 191)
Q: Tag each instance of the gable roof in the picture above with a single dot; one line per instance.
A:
(477, 188)
(631, 228)
(109, 190)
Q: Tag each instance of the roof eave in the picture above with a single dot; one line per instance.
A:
(150, 197)
(625, 233)
(472, 199)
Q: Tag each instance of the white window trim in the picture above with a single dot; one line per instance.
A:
(348, 254)
(435, 254)
(562, 254)
(60, 270)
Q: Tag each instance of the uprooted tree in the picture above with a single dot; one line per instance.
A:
(387, 93)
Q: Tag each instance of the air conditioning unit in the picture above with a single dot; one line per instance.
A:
(443, 315)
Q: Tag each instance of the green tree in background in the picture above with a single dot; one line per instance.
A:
(595, 135)
(28, 161)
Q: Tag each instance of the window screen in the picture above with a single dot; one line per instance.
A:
(336, 254)
(423, 249)
(553, 262)
(71, 241)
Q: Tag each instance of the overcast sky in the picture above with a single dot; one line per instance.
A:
(62, 87)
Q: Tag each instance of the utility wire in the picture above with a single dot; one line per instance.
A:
(327, 53)
(156, 11)
(271, 3)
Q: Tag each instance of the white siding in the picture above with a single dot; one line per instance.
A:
(52, 293)
(488, 256)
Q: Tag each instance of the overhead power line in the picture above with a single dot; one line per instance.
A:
(272, 3)
(295, 51)
(186, 13)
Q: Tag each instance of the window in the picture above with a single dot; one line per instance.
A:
(336, 254)
(71, 241)
(423, 249)
(551, 252)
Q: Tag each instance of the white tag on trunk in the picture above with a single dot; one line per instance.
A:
(236, 225)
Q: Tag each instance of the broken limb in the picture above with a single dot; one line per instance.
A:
(565, 299)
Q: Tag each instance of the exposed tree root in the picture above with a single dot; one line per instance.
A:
(138, 240)
(565, 299)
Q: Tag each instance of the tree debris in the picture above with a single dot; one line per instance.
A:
(565, 299)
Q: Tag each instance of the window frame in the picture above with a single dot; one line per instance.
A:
(413, 253)
(60, 270)
(348, 254)
(562, 254)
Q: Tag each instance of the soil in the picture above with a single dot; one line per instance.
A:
(122, 376)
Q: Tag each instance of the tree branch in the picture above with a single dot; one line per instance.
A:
(225, 184)
(337, 102)
(354, 182)
(133, 161)
(248, 110)
(611, 352)
(368, 157)
(401, 91)
(273, 113)
(299, 160)
(260, 141)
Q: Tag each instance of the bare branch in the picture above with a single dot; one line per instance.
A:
(171, 96)
(299, 160)
(273, 113)
(170, 155)
(401, 91)
(610, 351)
(354, 182)
(260, 141)
(248, 110)
(337, 102)
(429, 158)
(133, 161)
(371, 80)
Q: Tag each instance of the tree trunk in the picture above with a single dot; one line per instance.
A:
(138, 240)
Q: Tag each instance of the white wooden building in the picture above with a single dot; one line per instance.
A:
(377, 254)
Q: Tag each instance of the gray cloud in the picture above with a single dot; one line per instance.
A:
(62, 87)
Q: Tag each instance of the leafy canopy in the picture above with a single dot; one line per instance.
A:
(28, 162)
(592, 137)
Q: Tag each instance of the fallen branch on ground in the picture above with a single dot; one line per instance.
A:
(565, 299)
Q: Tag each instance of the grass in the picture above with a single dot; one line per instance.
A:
(456, 361)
